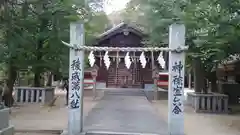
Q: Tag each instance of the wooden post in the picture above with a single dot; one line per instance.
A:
(100, 58)
(94, 88)
(176, 80)
(155, 75)
(189, 80)
(134, 68)
(94, 74)
(156, 87)
(76, 79)
(152, 57)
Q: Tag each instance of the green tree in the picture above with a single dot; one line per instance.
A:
(31, 34)
(212, 29)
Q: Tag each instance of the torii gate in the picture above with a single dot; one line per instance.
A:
(176, 51)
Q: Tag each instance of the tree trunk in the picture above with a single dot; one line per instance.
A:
(38, 69)
(205, 89)
(57, 75)
(213, 80)
(198, 75)
(12, 75)
(37, 78)
(49, 79)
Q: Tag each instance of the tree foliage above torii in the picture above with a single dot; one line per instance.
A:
(212, 26)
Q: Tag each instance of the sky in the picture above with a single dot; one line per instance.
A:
(114, 5)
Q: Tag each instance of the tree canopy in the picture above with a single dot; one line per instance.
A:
(212, 27)
(31, 33)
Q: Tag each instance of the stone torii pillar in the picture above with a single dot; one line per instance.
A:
(76, 79)
(176, 80)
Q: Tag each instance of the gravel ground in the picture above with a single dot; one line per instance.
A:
(33, 119)
(204, 124)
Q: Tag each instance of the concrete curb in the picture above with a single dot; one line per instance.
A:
(7, 131)
(116, 133)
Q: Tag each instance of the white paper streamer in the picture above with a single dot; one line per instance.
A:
(91, 59)
(106, 59)
(127, 60)
(161, 60)
(143, 60)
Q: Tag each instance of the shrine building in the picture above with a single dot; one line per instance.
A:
(118, 75)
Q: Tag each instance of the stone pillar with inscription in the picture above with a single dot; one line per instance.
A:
(76, 78)
(176, 80)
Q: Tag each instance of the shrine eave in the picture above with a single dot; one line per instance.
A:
(120, 28)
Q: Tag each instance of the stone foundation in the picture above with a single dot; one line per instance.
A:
(208, 103)
(161, 95)
(33, 94)
(5, 128)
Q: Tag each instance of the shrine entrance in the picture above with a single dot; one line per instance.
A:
(119, 76)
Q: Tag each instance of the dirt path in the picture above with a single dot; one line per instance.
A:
(33, 119)
(204, 124)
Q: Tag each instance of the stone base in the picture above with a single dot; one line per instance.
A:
(4, 118)
(49, 95)
(7, 131)
(32, 94)
(65, 132)
(161, 95)
(208, 103)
